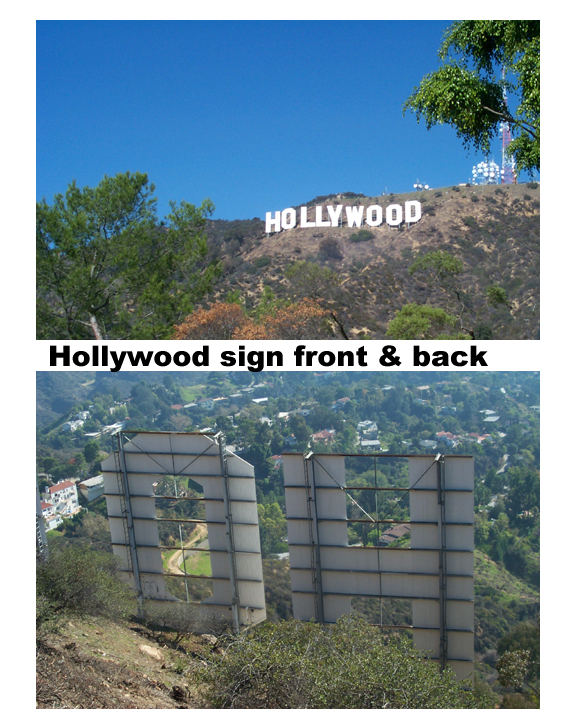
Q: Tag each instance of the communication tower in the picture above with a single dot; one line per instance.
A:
(508, 171)
(486, 172)
(418, 186)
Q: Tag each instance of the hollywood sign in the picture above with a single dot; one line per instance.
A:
(355, 216)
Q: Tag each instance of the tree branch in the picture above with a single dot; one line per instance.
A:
(506, 116)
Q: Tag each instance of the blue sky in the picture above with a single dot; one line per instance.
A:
(255, 115)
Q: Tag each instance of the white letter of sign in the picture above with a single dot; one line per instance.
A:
(273, 221)
(334, 213)
(288, 219)
(319, 221)
(354, 215)
(304, 218)
(390, 218)
(374, 215)
(413, 211)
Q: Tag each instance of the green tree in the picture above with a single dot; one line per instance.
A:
(424, 322)
(484, 61)
(272, 528)
(106, 267)
(308, 279)
(443, 266)
(526, 637)
(91, 451)
(496, 295)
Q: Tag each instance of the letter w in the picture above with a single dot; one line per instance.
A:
(354, 215)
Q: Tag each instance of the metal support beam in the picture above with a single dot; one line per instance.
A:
(129, 524)
(312, 513)
(441, 483)
(229, 535)
(41, 539)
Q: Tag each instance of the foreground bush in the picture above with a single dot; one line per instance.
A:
(348, 665)
(229, 321)
(83, 582)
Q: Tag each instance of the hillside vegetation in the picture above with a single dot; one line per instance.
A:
(365, 276)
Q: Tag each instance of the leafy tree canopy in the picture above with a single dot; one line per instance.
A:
(424, 322)
(107, 267)
(484, 62)
(441, 264)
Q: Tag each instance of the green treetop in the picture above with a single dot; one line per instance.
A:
(108, 268)
(483, 62)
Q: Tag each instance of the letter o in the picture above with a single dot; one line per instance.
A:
(288, 219)
(391, 218)
(374, 215)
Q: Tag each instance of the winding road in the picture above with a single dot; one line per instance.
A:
(199, 537)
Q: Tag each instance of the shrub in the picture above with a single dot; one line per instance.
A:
(263, 261)
(329, 249)
(83, 582)
(424, 322)
(361, 236)
(347, 665)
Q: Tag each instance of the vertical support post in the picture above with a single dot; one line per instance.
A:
(314, 537)
(41, 539)
(130, 525)
(441, 487)
(229, 535)
(182, 550)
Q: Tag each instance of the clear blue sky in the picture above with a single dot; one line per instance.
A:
(255, 115)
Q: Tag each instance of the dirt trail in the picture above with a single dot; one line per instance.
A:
(199, 534)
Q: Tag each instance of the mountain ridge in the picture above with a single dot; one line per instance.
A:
(492, 230)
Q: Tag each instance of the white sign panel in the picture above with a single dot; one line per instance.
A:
(131, 476)
(435, 573)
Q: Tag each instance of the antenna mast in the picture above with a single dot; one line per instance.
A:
(508, 167)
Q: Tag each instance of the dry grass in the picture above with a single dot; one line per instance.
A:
(97, 663)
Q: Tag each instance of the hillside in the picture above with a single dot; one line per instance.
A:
(98, 662)
(102, 663)
(492, 230)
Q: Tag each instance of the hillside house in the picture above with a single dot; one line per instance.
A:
(92, 488)
(72, 425)
(324, 436)
(428, 444)
(447, 439)
(478, 438)
(370, 445)
(394, 533)
(367, 430)
(113, 429)
(51, 520)
(63, 497)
